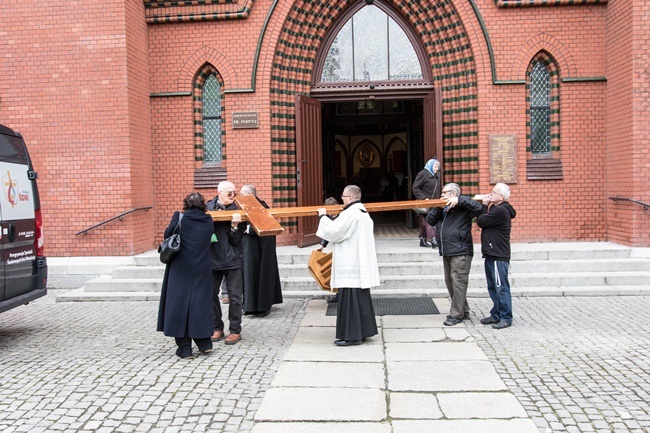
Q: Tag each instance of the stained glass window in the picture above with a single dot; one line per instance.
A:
(540, 109)
(211, 103)
(371, 46)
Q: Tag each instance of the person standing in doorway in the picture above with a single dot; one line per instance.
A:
(496, 222)
(427, 186)
(354, 267)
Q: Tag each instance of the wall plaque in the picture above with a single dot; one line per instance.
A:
(245, 120)
(503, 158)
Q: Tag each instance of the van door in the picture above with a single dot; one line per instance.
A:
(17, 229)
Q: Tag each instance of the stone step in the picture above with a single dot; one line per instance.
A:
(80, 295)
(434, 267)
(105, 283)
(477, 280)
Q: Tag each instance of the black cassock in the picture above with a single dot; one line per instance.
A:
(261, 275)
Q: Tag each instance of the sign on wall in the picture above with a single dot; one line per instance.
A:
(503, 158)
(245, 120)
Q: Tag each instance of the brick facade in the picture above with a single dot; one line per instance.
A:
(104, 93)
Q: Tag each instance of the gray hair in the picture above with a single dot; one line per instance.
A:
(225, 185)
(248, 190)
(503, 189)
(454, 188)
(353, 191)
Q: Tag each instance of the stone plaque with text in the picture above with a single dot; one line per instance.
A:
(245, 120)
(503, 158)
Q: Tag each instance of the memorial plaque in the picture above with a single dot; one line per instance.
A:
(503, 158)
(245, 120)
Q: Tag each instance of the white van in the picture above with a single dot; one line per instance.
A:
(23, 266)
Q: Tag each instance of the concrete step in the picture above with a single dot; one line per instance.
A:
(107, 284)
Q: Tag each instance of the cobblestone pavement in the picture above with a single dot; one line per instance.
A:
(101, 367)
(576, 364)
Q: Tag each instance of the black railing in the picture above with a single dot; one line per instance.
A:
(617, 198)
(117, 217)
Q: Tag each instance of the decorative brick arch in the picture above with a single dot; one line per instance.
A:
(543, 42)
(195, 62)
(441, 32)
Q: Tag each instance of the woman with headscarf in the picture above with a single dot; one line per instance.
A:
(427, 186)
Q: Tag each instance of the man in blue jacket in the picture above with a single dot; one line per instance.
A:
(455, 245)
(496, 222)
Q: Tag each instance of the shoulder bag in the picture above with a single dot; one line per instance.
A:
(171, 245)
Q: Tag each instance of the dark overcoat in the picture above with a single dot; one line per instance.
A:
(186, 298)
(261, 275)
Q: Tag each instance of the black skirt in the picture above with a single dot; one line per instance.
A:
(355, 318)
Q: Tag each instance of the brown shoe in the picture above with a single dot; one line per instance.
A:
(218, 335)
(232, 339)
(225, 300)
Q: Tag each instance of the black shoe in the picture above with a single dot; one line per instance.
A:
(333, 299)
(466, 315)
(434, 244)
(424, 243)
(347, 342)
(501, 325)
(452, 321)
(263, 313)
(489, 320)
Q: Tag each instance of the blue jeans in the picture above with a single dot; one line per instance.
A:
(496, 272)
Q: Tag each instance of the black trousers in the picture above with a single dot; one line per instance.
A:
(355, 318)
(235, 283)
(185, 345)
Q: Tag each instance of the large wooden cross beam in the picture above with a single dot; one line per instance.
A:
(265, 221)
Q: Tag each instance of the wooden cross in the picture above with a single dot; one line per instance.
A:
(265, 221)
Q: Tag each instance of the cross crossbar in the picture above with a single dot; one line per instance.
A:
(265, 221)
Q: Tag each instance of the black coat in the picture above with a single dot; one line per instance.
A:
(261, 275)
(454, 227)
(186, 297)
(496, 223)
(426, 185)
(227, 251)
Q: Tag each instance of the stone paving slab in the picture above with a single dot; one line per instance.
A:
(322, 404)
(329, 352)
(443, 376)
(481, 405)
(317, 318)
(465, 426)
(410, 322)
(330, 375)
(438, 351)
(412, 405)
(325, 427)
(414, 335)
(323, 336)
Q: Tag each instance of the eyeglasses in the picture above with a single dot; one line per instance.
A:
(495, 193)
(345, 196)
(229, 193)
(446, 192)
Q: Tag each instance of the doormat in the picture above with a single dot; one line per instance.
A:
(397, 307)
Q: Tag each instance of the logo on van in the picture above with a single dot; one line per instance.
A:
(12, 193)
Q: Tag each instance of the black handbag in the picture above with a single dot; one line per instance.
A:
(171, 245)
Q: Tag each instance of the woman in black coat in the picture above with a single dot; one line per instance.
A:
(427, 186)
(185, 310)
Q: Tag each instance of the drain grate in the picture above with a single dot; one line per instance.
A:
(397, 307)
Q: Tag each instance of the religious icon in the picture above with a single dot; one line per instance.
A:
(366, 155)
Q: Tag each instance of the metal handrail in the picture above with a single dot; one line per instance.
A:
(120, 217)
(617, 198)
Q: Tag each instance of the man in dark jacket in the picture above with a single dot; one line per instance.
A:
(226, 252)
(454, 234)
(496, 222)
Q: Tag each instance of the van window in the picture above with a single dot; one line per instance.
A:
(12, 148)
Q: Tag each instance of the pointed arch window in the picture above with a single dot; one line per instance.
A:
(371, 46)
(543, 101)
(211, 120)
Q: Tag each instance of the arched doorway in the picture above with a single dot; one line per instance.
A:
(303, 78)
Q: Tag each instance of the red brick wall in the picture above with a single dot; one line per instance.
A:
(66, 78)
(76, 80)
